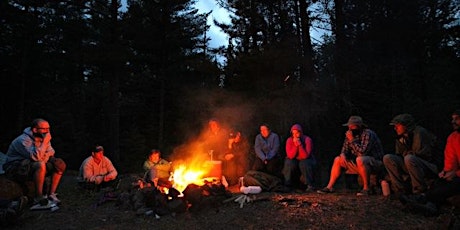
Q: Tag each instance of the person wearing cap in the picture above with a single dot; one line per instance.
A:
(449, 178)
(414, 157)
(266, 147)
(158, 170)
(32, 155)
(299, 154)
(97, 171)
(361, 154)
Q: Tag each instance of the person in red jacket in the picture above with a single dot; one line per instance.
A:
(299, 153)
(449, 178)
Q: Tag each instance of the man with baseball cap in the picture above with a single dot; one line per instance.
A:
(414, 156)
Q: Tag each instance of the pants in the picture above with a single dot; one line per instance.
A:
(417, 168)
(306, 170)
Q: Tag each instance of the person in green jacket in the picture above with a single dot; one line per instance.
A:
(157, 169)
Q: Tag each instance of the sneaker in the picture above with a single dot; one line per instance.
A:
(43, 201)
(324, 190)
(363, 193)
(53, 198)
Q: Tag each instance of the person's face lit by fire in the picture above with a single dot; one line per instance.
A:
(456, 122)
(98, 156)
(264, 131)
(41, 129)
(400, 129)
(213, 126)
(154, 157)
(296, 133)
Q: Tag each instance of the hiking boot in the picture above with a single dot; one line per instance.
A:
(324, 190)
(53, 198)
(363, 193)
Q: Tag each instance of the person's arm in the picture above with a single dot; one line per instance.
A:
(89, 172)
(451, 157)
(275, 143)
(306, 148)
(359, 145)
(111, 171)
(291, 148)
(422, 144)
(258, 145)
(147, 165)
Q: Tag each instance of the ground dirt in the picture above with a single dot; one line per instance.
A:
(293, 210)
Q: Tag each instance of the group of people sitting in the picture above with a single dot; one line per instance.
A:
(31, 157)
(415, 159)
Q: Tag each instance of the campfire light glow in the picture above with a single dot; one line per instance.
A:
(184, 176)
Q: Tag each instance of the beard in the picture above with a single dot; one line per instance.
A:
(40, 135)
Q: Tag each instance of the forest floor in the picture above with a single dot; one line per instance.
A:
(294, 210)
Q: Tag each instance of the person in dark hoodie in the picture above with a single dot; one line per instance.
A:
(32, 155)
(299, 154)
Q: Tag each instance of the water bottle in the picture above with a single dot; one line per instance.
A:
(385, 188)
(251, 189)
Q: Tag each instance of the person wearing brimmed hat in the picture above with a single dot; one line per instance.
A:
(449, 178)
(97, 171)
(299, 154)
(361, 154)
(415, 156)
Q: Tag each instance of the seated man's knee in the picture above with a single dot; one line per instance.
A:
(59, 165)
(38, 166)
(410, 160)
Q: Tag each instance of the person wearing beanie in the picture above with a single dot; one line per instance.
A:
(448, 184)
(415, 156)
(361, 154)
(299, 154)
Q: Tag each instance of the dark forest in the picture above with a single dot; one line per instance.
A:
(146, 78)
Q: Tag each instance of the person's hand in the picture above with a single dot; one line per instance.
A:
(349, 135)
(297, 142)
(447, 175)
(47, 138)
(228, 156)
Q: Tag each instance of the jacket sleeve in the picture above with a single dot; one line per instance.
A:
(291, 149)
(451, 158)
(111, 171)
(421, 145)
(258, 145)
(275, 144)
(307, 148)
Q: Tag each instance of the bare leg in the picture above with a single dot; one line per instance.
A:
(335, 173)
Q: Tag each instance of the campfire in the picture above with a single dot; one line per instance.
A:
(198, 173)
